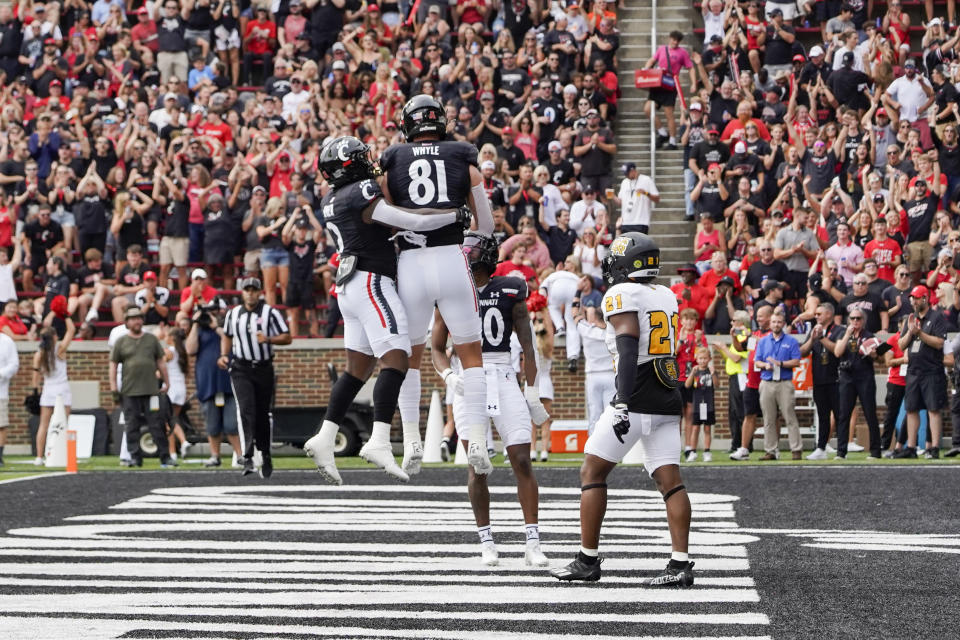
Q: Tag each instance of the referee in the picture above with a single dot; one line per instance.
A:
(249, 333)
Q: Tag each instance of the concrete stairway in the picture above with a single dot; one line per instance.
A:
(633, 129)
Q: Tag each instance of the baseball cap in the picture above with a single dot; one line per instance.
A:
(259, 189)
(882, 112)
(776, 12)
(339, 65)
(132, 312)
(879, 197)
(837, 200)
(508, 131)
(592, 112)
(372, 8)
(142, 11)
(687, 267)
(712, 166)
(945, 253)
(910, 63)
(770, 285)
(919, 291)
(799, 58)
(848, 58)
(55, 83)
(555, 145)
(338, 46)
(740, 147)
(487, 164)
(486, 95)
(713, 129)
(170, 96)
(250, 283)
(589, 189)
(149, 275)
(816, 51)
(433, 9)
(696, 106)
(726, 280)
(198, 273)
(629, 166)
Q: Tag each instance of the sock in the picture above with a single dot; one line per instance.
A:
(533, 532)
(344, 390)
(662, 131)
(409, 400)
(381, 433)
(385, 394)
(678, 556)
(173, 457)
(486, 535)
(673, 140)
(328, 432)
(588, 556)
(475, 403)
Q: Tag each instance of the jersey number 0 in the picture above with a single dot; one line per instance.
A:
(422, 189)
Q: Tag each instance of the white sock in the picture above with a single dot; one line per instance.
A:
(411, 432)
(173, 457)
(673, 140)
(475, 402)
(679, 556)
(662, 131)
(592, 553)
(381, 433)
(533, 532)
(328, 432)
(486, 535)
(409, 399)
(478, 433)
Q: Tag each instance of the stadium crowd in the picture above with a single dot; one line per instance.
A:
(825, 182)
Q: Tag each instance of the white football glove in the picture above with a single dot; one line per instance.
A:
(538, 413)
(454, 381)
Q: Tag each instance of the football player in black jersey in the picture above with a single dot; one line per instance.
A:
(503, 311)
(375, 326)
(428, 171)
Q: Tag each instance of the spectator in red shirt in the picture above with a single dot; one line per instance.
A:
(144, 33)
(515, 266)
(718, 269)
(472, 13)
(707, 241)
(690, 295)
(259, 42)
(215, 127)
(198, 291)
(943, 272)
(884, 250)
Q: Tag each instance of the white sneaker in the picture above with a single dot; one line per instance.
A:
(477, 458)
(38, 461)
(381, 455)
(543, 456)
(742, 453)
(533, 455)
(853, 447)
(489, 555)
(691, 455)
(323, 458)
(830, 449)
(237, 462)
(533, 557)
(412, 457)
(707, 456)
(818, 454)
(184, 448)
(92, 316)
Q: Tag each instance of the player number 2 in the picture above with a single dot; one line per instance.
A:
(422, 188)
(493, 326)
(660, 324)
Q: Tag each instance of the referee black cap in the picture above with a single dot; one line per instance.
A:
(251, 283)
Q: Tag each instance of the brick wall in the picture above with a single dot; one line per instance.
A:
(303, 381)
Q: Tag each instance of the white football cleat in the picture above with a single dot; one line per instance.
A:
(489, 555)
(412, 457)
(323, 458)
(533, 557)
(381, 455)
(478, 459)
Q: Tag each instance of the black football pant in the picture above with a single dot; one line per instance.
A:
(894, 400)
(826, 398)
(864, 388)
(136, 413)
(253, 387)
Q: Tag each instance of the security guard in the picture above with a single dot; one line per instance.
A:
(250, 331)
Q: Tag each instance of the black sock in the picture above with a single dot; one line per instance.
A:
(585, 559)
(1, 451)
(345, 389)
(677, 564)
(385, 394)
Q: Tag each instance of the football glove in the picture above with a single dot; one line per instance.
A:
(454, 381)
(621, 420)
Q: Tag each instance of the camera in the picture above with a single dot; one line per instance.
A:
(204, 315)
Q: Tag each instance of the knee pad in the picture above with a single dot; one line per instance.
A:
(679, 487)
(593, 485)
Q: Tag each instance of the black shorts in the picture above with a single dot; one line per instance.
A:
(751, 401)
(664, 97)
(686, 393)
(299, 295)
(926, 391)
(709, 422)
(218, 255)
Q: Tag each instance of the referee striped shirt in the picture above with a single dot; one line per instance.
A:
(243, 326)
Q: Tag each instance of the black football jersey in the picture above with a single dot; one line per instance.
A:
(431, 174)
(496, 311)
(342, 208)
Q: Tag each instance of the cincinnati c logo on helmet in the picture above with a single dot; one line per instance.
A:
(341, 149)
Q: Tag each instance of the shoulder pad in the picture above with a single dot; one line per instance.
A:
(388, 156)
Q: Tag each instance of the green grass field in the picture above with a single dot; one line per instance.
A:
(18, 466)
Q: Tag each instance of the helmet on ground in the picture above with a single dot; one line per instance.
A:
(481, 250)
(632, 256)
(421, 115)
(345, 160)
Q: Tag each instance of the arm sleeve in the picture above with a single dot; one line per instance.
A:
(484, 214)
(387, 214)
(628, 349)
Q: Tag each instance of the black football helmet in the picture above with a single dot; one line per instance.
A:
(423, 114)
(481, 250)
(632, 256)
(346, 160)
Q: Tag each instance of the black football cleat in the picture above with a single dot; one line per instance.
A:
(266, 467)
(578, 570)
(676, 577)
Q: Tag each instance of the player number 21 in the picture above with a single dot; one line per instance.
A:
(422, 188)
(660, 324)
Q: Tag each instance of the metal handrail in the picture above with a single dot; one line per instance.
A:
(653, 113)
